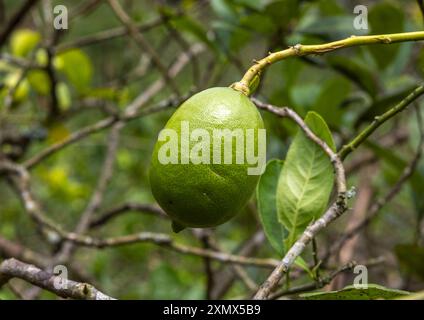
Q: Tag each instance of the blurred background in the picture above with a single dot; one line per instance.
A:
(54, 83)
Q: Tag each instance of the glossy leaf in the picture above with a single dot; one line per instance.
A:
(356, 72)
(385, 18)
(306, 179)
(267, 205)
(332, 95)
(372, 292)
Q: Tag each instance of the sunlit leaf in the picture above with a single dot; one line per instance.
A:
(306, 179)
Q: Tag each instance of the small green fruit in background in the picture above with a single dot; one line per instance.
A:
(23, 41)
(206, 194)
(21, 92)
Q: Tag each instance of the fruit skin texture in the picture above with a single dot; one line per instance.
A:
(206, 195)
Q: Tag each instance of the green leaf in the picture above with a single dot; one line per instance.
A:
(373, 292)
(191, 26)
(333, 93)
(411, 258)
(77, 67)
(358, 73)
(229, 37)
(303, 265)
(267, 205)
(330, 7)
(225, 9)
(306, 179)
(23, 42)
(385, 18)
(421, 62)
(281, 12)
(333, 27)
(257, 22)
(304, 96)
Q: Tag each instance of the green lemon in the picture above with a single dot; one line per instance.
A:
(209, 192)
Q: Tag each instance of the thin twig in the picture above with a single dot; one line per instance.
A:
(10, 249)
(21, 179)
(185, 46)
(96, 127)
(316, 259)
(143, 43)
(107, 35)
(316, 284)
(130, 206)
(131, 111)
(98, 194)
(15, 20)
(379, 204)
(379, 120)
(226, 276)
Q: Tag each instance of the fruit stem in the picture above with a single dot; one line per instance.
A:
(301, 50)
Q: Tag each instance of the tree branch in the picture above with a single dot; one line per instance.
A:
(109, 35)
(98, 194)
(302, 50)
(15, 20)
(379, 120)
(379, 204)
(64, 288)
(115, 212)
(21, 179)
(132, 111)
(142, 42)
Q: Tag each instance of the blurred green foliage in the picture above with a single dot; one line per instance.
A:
(347, 88)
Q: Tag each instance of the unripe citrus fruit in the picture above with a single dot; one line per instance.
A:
(212, 189)
(21, 92)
